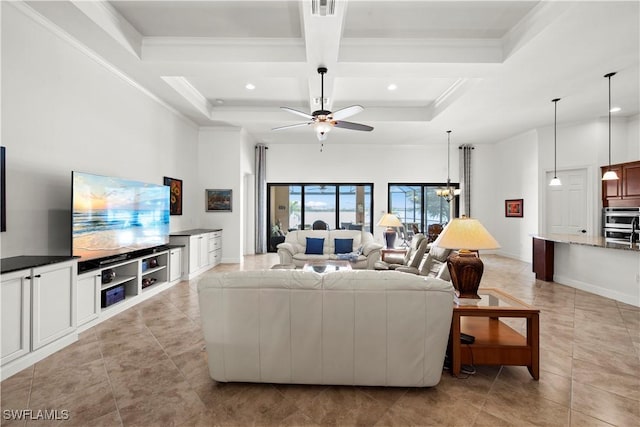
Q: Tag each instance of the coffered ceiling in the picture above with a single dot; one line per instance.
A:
(485, 69)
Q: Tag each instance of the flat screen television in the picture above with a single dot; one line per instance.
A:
(115, 216)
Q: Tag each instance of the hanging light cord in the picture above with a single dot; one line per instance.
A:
(555, 146)
(609, 75)
(448, 159)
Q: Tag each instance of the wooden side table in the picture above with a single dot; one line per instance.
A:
(495, 342)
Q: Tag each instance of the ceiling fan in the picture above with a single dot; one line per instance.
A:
(323, 120)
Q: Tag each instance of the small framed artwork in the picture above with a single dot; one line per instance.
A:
(218, 200)
(514, 208)
(175, 195)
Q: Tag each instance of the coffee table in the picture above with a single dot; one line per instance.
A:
(495, 342)
(326, 266)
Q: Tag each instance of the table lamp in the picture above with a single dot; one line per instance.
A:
(466, 267)
(389, 220)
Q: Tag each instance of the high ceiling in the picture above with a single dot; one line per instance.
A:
(485, 69)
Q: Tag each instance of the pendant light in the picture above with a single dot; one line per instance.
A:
(448, 193)
(609, 175)
(555, 181)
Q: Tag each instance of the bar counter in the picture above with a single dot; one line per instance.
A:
(589, 263)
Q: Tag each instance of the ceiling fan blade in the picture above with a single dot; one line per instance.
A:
(347, 112)
(300, 113)
(293, 126)
(353, 126)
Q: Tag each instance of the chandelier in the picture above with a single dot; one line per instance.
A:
(448, 193)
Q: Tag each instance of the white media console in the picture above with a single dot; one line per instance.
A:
(46, 303)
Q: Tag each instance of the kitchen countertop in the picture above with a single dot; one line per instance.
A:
(574, 239)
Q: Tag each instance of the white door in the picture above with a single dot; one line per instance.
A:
(567, 204)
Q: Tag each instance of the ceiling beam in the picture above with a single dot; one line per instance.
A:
(113, 23)
(322, 35)
(209, 49)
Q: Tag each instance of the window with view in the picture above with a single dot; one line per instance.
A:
(418, 206)
(298, 206)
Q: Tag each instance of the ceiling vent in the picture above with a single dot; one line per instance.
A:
(323, 7)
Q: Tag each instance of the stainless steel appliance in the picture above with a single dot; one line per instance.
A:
(621, 225)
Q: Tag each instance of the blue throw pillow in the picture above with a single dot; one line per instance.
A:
(343, 246)
(314, 246)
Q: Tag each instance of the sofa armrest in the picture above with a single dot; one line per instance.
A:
(407, 269)
(370, 247)
(286, 251)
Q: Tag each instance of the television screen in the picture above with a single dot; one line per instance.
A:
(112, 216)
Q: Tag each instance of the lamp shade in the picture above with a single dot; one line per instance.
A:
(466, 233)
(389, 220)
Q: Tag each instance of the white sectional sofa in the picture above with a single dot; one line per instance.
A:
(358, 327)
(363, 254)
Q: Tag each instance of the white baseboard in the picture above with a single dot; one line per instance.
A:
(603, 292)
(33, 357)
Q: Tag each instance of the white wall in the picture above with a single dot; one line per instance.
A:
(63, 111)
(220, 166)
(633, 137)
(378, 164)
(507, 170)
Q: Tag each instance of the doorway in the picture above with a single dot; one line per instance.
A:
(568, 205)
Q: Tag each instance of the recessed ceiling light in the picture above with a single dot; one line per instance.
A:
(250, 86)
(392, 86)
(616, 109)
(219, 101)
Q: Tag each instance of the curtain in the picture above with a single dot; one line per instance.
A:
(465, 173)
(261, 198)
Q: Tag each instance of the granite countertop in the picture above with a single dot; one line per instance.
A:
(194, 232)
(574, 239)
(24, 262)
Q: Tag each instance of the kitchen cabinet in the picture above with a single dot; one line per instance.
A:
(625, 191)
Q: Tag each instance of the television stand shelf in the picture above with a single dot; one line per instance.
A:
(138, 279)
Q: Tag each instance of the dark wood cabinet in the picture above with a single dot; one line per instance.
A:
(624, 191)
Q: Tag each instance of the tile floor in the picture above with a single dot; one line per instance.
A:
(147, 367)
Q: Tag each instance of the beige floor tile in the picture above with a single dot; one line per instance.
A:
(578, 419)
(623, 383)
(550, 386)
(603, 405)
(149, 361)
(50, 385)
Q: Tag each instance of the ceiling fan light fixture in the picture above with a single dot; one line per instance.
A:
(322, 129)
(323, 7)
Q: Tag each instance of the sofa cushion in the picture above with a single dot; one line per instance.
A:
(343, 246)
(314, 246)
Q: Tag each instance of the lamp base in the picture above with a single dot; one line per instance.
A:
(466, 270)
(390, 237)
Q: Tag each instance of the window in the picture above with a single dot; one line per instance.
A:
(297, 206)
(418, 206)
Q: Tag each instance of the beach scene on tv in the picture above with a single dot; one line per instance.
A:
(112, 216)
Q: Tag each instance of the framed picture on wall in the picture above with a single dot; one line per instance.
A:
(175, 195)
(514, 208)
(218, 200)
